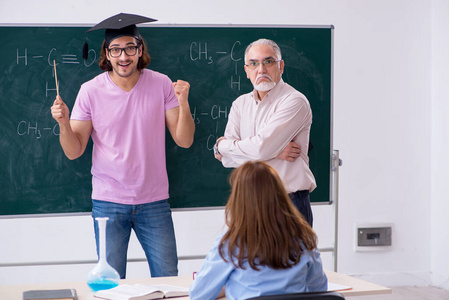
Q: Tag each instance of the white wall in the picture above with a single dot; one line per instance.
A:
(440, 146)
(390, 81)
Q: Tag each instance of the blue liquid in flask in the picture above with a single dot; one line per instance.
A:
(102, 284)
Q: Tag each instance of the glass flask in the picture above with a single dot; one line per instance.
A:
(102, 276)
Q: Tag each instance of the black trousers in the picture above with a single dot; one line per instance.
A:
(301, 199)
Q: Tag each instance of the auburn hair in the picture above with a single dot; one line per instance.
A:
(264, 227)
(144, 60)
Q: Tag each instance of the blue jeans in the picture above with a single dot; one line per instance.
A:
(153, 226)
(301, 199)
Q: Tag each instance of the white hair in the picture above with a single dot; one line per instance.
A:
(271, 43)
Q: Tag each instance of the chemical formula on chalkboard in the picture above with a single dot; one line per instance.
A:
(27, 128)
(24, 57)
(217, 113)
(41, 62)
(199, 51)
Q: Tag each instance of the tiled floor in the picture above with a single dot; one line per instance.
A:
(409, 293)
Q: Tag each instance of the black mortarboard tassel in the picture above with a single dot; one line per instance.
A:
(117, 26)
(85, 50)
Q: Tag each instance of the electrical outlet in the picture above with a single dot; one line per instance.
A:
(372, 237)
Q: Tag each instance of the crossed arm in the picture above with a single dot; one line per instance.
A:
(290, 153)
(280, 135)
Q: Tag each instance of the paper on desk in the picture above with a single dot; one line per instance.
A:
(335, 287)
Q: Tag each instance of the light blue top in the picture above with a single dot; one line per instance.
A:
(306, 276)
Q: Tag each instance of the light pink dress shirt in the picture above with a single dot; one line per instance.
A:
(260, 130)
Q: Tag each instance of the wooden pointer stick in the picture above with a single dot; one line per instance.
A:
(56, 79)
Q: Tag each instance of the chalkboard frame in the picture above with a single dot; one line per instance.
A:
(225, 26)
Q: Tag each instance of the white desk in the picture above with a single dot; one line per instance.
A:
(14, 292)
(359, 287)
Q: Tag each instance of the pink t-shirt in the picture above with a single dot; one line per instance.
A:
(128, 157)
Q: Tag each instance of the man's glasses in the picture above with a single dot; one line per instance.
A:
(266, 63)
(116, 52)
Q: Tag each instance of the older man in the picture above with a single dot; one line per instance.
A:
(271, 123)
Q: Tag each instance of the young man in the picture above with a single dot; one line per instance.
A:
(125, 111)
(272, 123)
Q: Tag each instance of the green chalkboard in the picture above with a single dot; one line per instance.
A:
(36, 177)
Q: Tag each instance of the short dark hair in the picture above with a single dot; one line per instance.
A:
(144, 60)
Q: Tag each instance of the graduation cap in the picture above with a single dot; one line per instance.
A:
(118, 26)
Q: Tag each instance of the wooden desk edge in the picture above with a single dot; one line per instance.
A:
(358, 287)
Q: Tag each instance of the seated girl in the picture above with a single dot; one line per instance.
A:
(268, 248)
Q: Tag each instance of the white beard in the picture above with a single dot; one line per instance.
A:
(264, 86)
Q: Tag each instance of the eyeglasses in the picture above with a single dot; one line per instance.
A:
(266, 63)
(117, 52)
